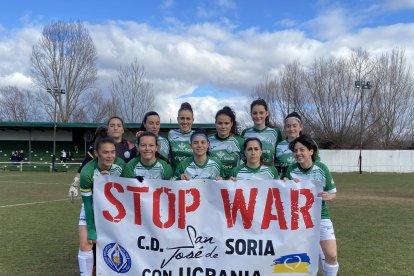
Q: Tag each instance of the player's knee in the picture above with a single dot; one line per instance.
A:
(85, 246)
(331, 259)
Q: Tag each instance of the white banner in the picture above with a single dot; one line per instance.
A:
(206, 227)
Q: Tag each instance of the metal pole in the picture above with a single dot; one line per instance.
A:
(360, 137)
(54, 137)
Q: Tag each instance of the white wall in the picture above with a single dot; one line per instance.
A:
(400, 161)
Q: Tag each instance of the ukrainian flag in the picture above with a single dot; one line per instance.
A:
(294, 263)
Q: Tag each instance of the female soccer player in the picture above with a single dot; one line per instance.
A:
(180, 138)
(124, 150)
(151, 123)
(105, 162)
(148, 164)
(284, 156)
(307, 167)
(226, 145)
(200, 166)
(263, 130)
(253, 169)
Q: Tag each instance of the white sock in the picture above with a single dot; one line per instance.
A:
(85, 259)
(330, 270)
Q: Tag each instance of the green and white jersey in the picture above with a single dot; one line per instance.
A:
(180, 146)
(228, 150)
(319, 172)
(159, 170)
(164, 147)
(209, 170)
(269, 138)
(87, 175)
(284, 156)
(243, 172)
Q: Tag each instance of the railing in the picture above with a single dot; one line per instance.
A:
(38, 166)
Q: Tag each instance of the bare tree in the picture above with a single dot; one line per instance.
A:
(131, 92)
(17, 105)
(395, 98)
(65, 58)
(268, 90)
(100, 110)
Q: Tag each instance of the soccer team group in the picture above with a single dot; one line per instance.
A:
(259, 153)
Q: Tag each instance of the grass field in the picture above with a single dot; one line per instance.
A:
(373, 217)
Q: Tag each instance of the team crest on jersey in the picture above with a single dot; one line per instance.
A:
(229, 149)
(117, 258)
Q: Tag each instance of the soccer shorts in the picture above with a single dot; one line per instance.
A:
(82, 217)
(327, 231)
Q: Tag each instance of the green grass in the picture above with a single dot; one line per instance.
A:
(373, 217)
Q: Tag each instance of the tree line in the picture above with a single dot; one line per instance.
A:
(347, 102)
(64, 72)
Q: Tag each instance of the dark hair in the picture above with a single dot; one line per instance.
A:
(157, 154)
(101, 137)
(144, 120)
(264, 104)
(295, 115)
(185, 106)
(115, 117)
(202, 132)
(229, 112)
(308, 142)
(199, 132)
(250, 139)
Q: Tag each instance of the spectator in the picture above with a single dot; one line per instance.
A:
(63, 156)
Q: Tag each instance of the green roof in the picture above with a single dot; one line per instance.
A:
(87, 125)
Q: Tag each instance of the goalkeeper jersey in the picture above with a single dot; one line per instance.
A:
(269, 138)
(243, 172)
(319, 173)
(180, 146)
(87, 175)
(228, 150)
(159, 170)
(211, 169)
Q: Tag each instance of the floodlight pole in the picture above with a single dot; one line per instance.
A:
(56, 92)
(361, 85)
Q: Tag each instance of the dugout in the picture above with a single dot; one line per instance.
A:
(36, 138)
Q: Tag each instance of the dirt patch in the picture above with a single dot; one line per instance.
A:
(379, 198)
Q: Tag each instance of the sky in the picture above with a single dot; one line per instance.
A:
(210, 53)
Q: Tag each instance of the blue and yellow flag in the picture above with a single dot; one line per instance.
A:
(294, 263)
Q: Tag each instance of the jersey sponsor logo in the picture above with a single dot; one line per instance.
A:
(294, 263)
(117, 258)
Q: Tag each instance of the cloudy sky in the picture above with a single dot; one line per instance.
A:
(210, 53)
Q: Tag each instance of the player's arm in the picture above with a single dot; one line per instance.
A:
(86, 186)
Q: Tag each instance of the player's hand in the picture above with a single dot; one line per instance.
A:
(184, 177)
(73, 189)
(91, 241)
(232, 178)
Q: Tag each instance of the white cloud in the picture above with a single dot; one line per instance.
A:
(227, 4)
(183, 57)
(331, 23)
(167, 4)
(398, 4)
(16, 79)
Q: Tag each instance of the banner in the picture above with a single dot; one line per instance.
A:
(206, 227)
